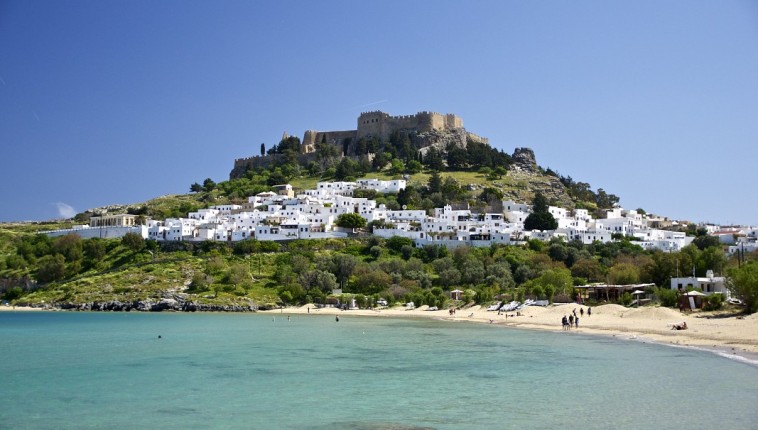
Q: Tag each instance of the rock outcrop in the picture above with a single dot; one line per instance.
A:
(524, 160)
(441, 139)
(169, 303)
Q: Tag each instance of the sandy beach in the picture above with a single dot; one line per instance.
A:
(727, 334)
(9, 308)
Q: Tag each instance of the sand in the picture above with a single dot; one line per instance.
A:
(727, 334)
(4, 308)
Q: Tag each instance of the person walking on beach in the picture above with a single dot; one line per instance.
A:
(581, 311)
(576, 322)
(565, 322)
(589, 311)
(571, 320)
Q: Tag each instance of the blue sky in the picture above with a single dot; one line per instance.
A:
(118, 102)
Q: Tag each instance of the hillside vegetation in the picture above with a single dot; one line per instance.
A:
(133, 273)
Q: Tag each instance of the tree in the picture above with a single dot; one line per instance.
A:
(540, 218)
(300, 263)
(396, 243)
(434, 185)
(540, 221)
(319, 279)
(743, 284)
(199, 282)
(559, 279)
(413, 166)
(342, 265)
(605, 200)
(472, 270)
(239, 274)
(433, 159)
(133, 241)
(70, 246)
(706, 241)
(450, 277)
(623, 274)
(12, 293)
(51, 268)
(558, 251)
(407, 252)
(539, 203)
(263, 149)
(589, 269)
(371, 280)
(491, 194)
(208, 184)
(94, 251)
(396, 167)
(196, 188)
(351, 220)
(345, 169)
(712, 258)
(500, 171)
(486, 171)
(457, 157)
(500, 274)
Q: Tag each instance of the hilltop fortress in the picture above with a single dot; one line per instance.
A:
(432, 128)
(382, 125)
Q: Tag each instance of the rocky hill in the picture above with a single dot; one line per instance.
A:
(527, 178)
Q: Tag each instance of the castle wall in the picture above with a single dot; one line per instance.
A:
(372, 124)
(478, 138)
(243, 164)
(382, 125)
(312, 137)
(377, 123)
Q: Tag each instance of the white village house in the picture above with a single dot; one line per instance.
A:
(312, 214)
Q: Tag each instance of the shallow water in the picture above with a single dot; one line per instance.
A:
(96, 370)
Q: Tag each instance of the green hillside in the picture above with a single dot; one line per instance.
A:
(133, 273)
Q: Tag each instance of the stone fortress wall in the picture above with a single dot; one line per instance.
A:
(382, 125)
(370, 124)
(312, 137)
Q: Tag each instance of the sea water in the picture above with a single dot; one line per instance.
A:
(64, 370)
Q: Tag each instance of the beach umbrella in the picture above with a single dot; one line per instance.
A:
(694, 293)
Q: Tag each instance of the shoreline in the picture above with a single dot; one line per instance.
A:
(733, 337)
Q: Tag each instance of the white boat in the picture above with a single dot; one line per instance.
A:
(510, 306)
(495, 307)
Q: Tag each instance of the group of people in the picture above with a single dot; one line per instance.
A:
(573, 318)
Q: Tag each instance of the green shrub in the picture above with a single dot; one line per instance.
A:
(13, 293)
(668, 297)
(626, 299)
(714, 302)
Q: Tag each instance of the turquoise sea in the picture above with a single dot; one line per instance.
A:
(64, 370)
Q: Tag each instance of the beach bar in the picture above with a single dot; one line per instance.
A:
(607, 292)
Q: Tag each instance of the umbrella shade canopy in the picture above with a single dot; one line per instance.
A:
(637, 292)
(694, 293)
